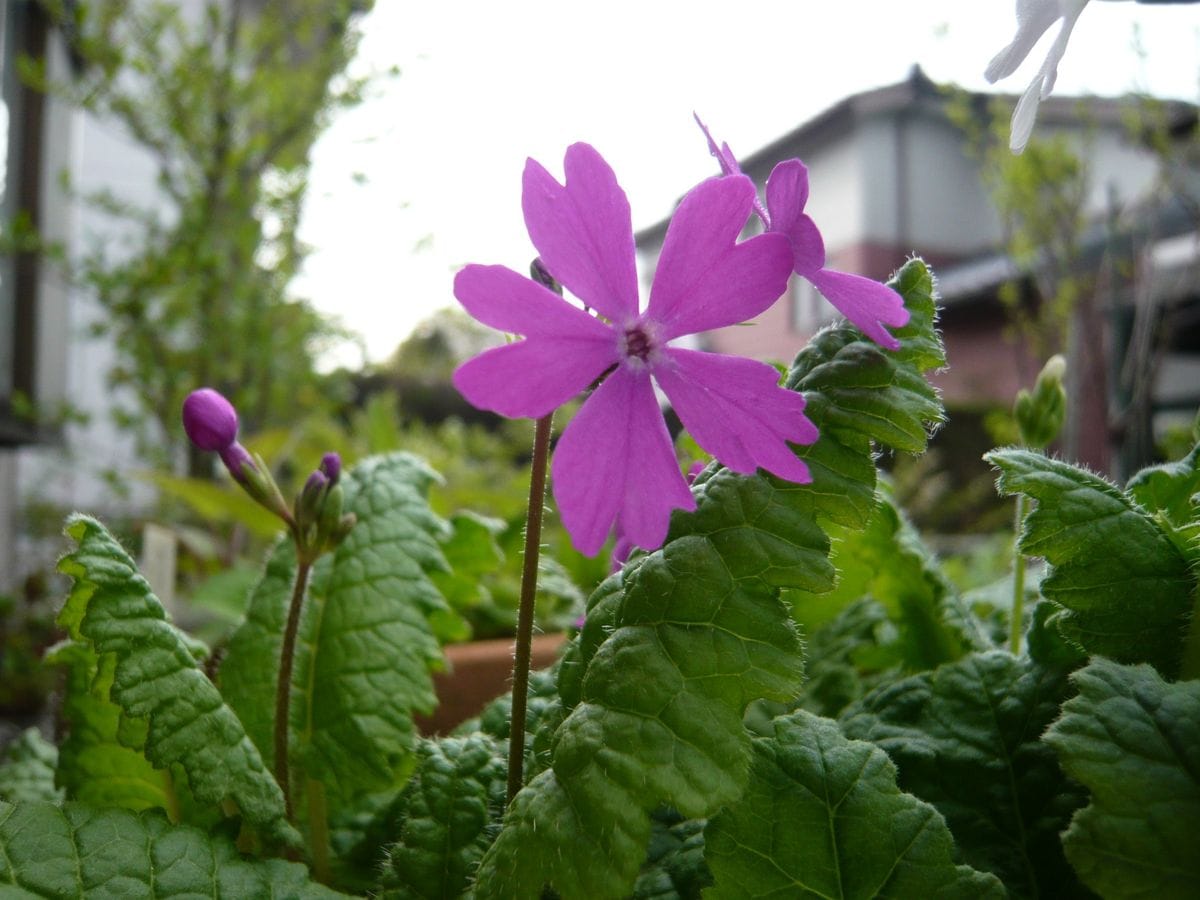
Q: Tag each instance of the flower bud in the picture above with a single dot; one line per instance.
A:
(1040, 413)
(331, 466)
(308, 504)
(238, 461)
(539, 273)
(210, 420)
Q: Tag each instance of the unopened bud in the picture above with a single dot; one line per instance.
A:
(210, 421)
(539, 273)
(1040, 413)
(331, 466)
(238, 461)
(312, 495)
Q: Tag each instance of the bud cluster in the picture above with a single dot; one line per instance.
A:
(315, 519)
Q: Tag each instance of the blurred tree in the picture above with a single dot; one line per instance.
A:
(228, 97)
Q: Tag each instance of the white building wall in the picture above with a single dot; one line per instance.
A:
(836, 199)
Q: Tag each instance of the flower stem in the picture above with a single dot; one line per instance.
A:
(1018, 601)
(283, 690)
(523, 647)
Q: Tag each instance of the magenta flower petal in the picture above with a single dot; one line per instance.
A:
(787, 195)
(533, 377)
(725, 158)
(868, 304)
(615, 463)
(735, 410)
(583, 231)
(705, 279)
(499, 297)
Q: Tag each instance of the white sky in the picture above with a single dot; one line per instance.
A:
(485, 84)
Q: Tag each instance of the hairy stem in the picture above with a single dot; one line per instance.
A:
(1018, 601)
(523, 646)
(283, 691)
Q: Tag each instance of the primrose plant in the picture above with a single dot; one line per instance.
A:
(777, 692)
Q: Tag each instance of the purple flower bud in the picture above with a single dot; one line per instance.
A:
(316, 482)
(331, 465)
(539, 273)
(236, 458)
(210, 420)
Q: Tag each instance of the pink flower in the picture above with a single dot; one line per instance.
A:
(615, 464)
(210, 421)
(865, 302)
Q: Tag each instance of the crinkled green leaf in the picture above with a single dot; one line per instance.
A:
(100, 761)
(1123, 583)
(1134, 741)
(451, 804)
(888, 561)
(365, 646)
(80, 851)
(822, 817)
(159, 685)
(967, 738)
(27, 770)
(674, 868)
(1172, 489)
(676, 647)
(472, 554)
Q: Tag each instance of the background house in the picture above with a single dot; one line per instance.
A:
(892, 175)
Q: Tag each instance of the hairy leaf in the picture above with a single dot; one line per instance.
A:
(1172, 489)
(677, 646)
(100, 761)
(81, 851)
(365, 646)
(1134, 741)
(822, 817)
(27, 770)
(1124, 584)
(168, 703)
(967, 738)
(456, 793)
(674, 868)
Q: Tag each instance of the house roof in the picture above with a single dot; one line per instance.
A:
(919, 91)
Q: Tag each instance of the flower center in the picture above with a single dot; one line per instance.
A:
(639, 345)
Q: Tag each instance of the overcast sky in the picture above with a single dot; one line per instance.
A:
(425, 176)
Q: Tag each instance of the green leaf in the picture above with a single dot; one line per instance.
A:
(168, 702)
(676, 647)
(822, 817)
(365, 646)
(451, 804)
(1172, 489)
(888, 561)
(1134, 741)
(80, 851)
(95, 765)
(674, 868)
(27, 770)
(967, 738)
(1124, 585)
(215, 502)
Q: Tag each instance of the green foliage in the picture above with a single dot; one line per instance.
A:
(366, 642)
(457, 791)
(1171, 492)
(81, 851)
(674, 868)
(169, 708)
(828, 815)
(227, 102)
(675, 649)
(27, 770)
(1039, 413)
(1134, 741)
(966, 738)
(1125, 586)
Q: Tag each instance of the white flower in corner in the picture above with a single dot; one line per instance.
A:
(1034, 18)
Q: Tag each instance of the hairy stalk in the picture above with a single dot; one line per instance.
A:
(1018, 602)
(283, 691)
(524, 641)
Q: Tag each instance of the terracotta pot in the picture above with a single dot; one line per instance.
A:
(476, 674)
